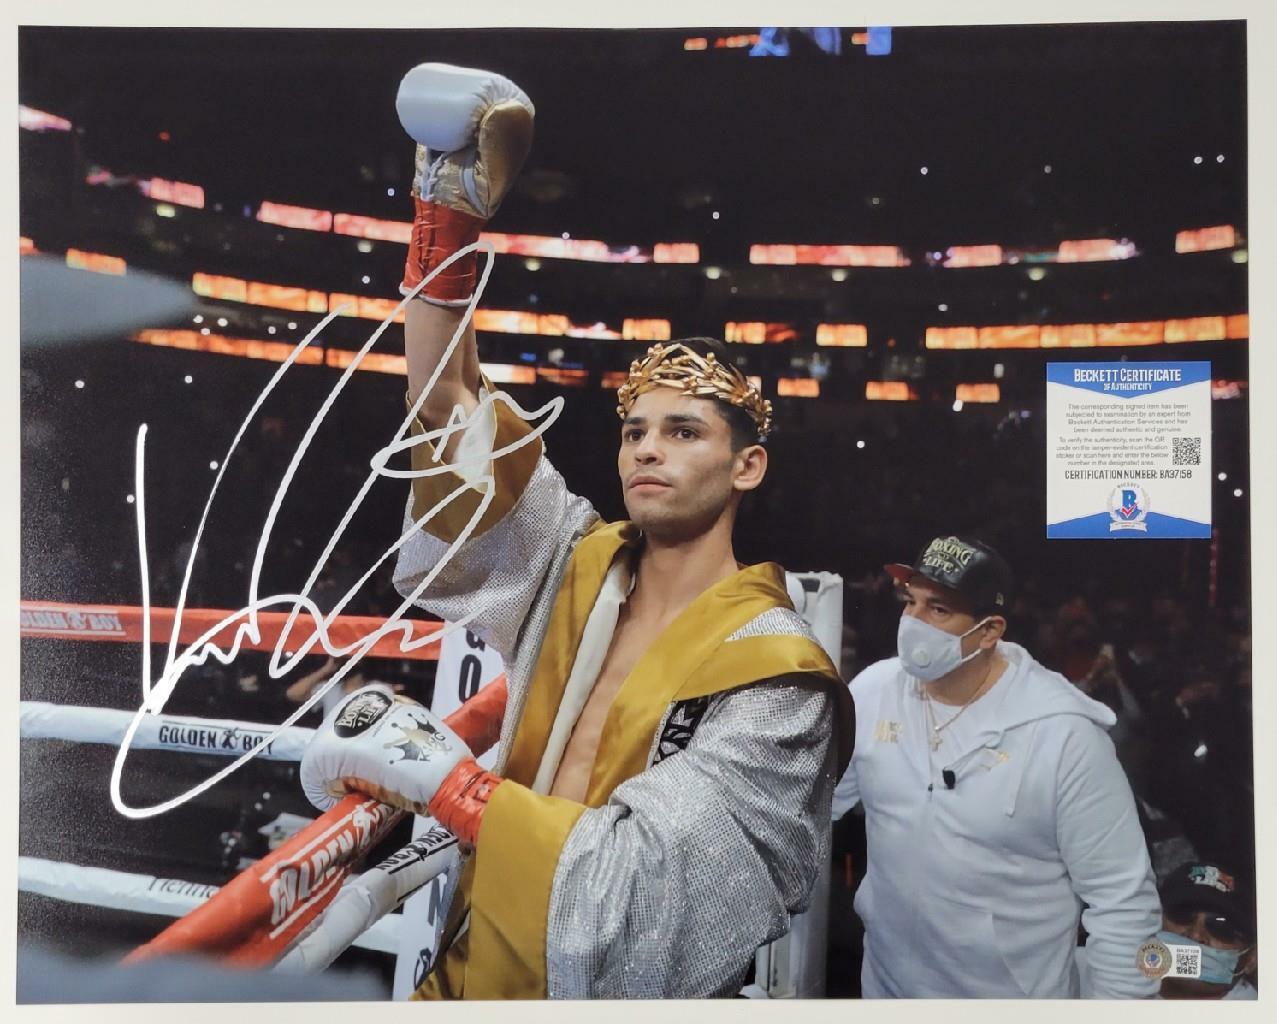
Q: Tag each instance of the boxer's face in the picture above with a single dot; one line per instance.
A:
(677, 467)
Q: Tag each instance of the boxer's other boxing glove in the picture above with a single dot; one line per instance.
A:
(390, 748)
(403, 754)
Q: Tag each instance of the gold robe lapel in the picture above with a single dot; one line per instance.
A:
(577, 595)
(508, 888)
(664, 670)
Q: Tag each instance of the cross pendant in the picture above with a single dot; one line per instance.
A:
(936, 740)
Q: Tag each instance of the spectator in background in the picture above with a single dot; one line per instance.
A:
(336, 580)
(1176, 636)
(877, 611)
(1103, 681)
(1203, 905)
(1075, 640)
(359, 676)
(1091, 656)
(1204, 908)
(1201, 762)
(995, 808)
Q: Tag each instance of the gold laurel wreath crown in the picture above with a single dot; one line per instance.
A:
(675, 365)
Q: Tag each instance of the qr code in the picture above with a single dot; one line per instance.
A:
(1188, 962)
(1186, 451)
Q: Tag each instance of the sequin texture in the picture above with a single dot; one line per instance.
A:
(670, 887)
(775, 622)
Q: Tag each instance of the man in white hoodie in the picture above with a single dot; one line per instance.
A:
(995, 808)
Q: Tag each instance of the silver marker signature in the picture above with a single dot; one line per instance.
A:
(156, 694)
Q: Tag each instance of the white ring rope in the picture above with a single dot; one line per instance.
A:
(369, 897)
(170, 897)
(360, 915)
(43, 720)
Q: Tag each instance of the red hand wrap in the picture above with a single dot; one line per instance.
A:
(438, 232)
(462, 798)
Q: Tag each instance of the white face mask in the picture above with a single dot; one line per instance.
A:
(927, 652)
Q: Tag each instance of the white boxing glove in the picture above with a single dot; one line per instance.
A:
(392, 749)
(476, 130)
(441, 105)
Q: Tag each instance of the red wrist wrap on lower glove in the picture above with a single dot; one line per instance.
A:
(437, 232)
(462, 798)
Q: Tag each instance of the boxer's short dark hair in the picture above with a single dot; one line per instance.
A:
(743, 431)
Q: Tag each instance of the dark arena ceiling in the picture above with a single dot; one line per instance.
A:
(638, 137)
(1030, 135)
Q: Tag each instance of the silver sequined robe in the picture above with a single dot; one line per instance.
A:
(668, 889)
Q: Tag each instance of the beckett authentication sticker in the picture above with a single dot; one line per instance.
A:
(1154, 959)
(1158, 959)
(1128, 450)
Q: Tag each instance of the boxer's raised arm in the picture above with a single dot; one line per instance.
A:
(427, 331)
(473, 130)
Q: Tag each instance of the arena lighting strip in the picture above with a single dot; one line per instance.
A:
(1223, 236)
(278, 351)
(1233, 327)
(974, 392)
(498, 373)
(1206, 328)
(1078, 250)
(736, 42)
(561, 247)
(296, 299)
(302, 218)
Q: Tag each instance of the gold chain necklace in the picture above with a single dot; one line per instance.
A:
(935, 739)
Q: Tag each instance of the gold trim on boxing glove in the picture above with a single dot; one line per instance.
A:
(505, 138)
(419, 160)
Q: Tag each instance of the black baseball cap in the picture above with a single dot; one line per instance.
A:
(1201, 886)
(968, 567)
